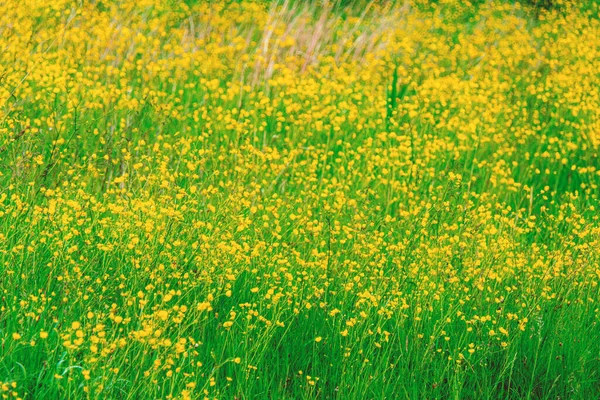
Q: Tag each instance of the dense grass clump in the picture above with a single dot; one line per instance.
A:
(285, 200)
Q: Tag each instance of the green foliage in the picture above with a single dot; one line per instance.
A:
(246, 200)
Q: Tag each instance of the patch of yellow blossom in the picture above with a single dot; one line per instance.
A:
(193, 194)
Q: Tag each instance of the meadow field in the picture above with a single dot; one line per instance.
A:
(299, 199)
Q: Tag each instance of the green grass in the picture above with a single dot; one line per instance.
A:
(251, 200)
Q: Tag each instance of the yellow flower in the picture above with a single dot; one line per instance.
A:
(163, 315)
